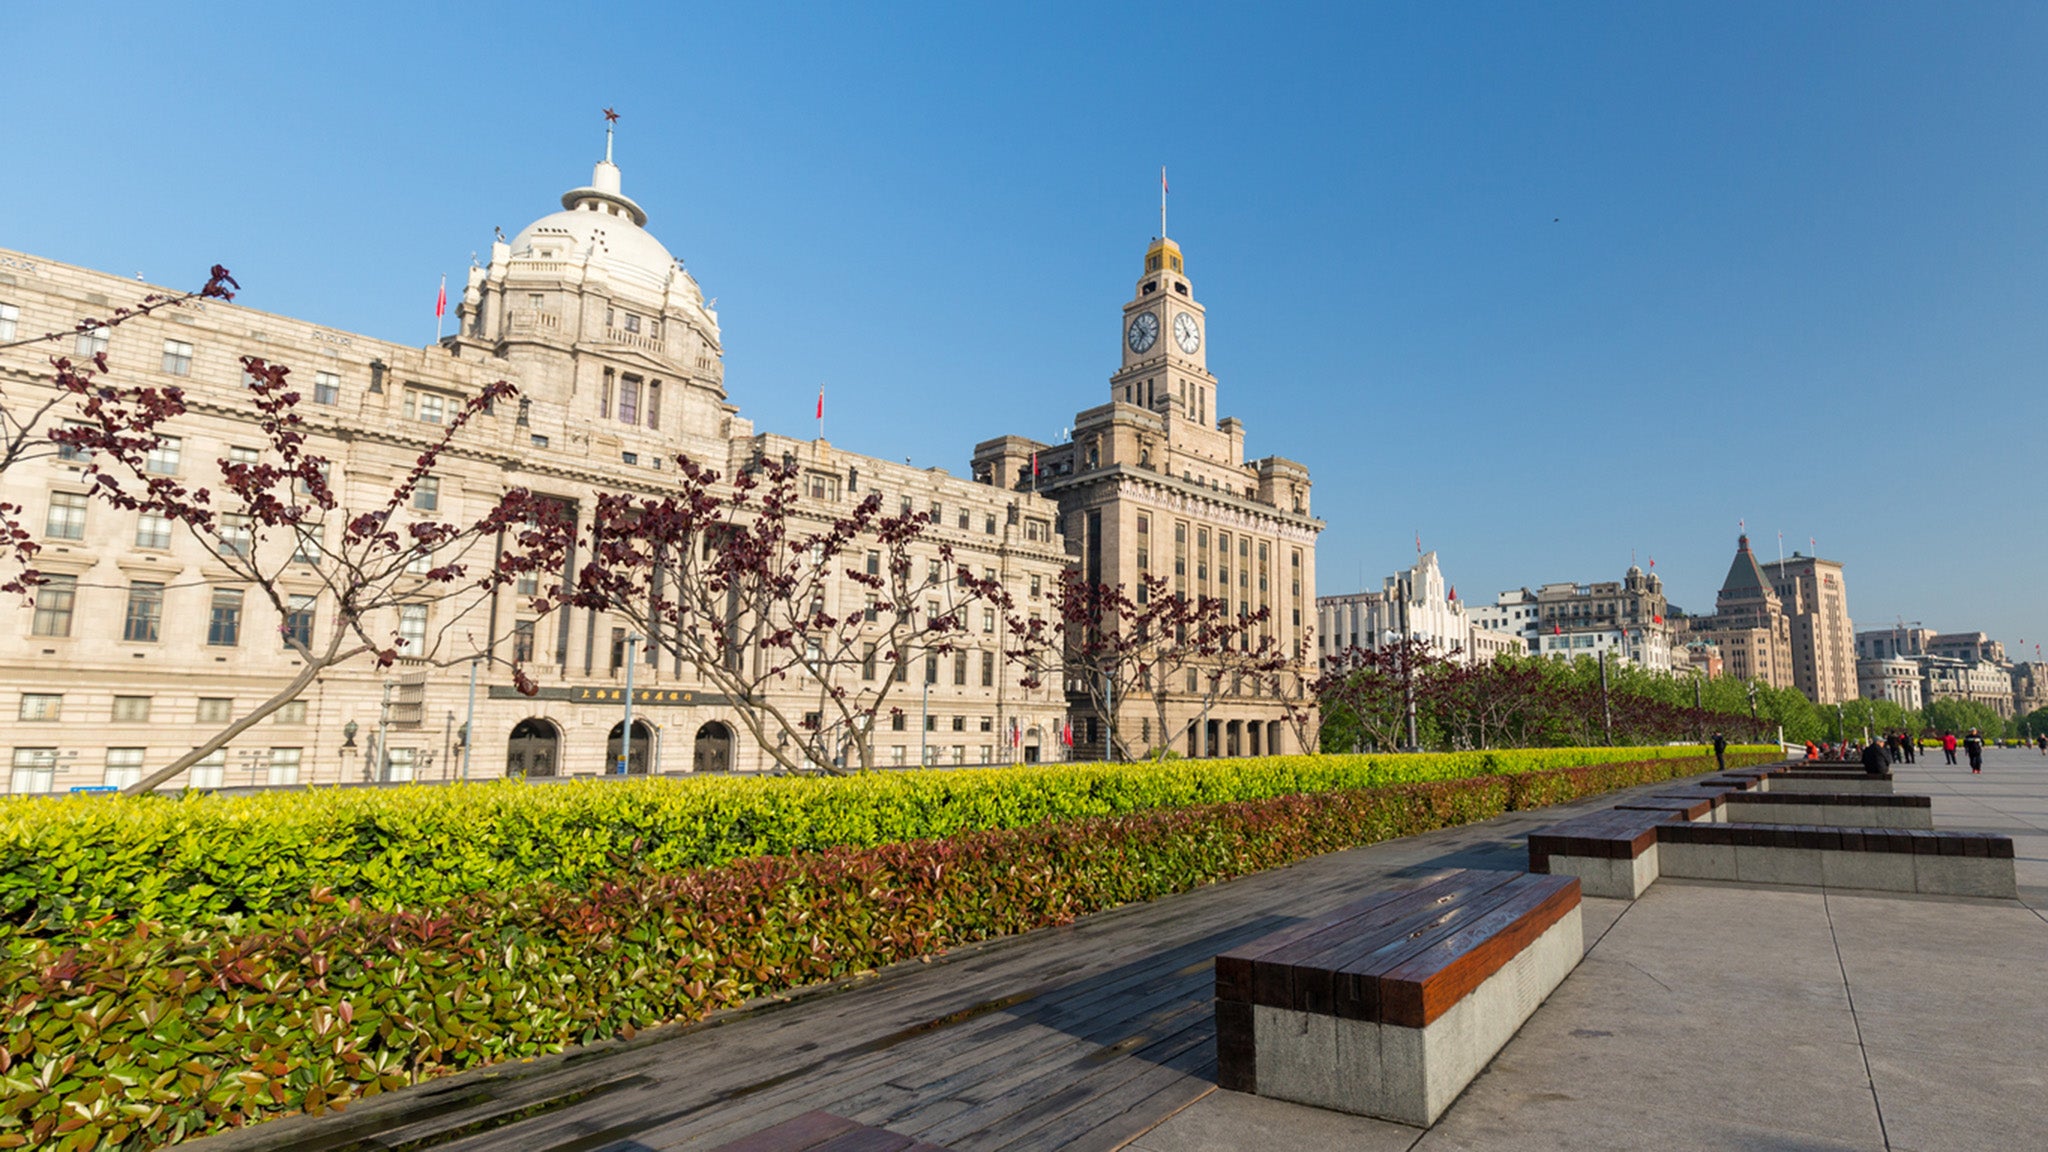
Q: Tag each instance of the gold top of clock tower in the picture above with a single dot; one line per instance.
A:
(1163, 255)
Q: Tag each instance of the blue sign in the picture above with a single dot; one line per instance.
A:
(95, 788)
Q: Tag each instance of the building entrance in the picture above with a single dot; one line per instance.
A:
(714, 748)
(534, 749)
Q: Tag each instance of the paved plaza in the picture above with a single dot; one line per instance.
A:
(1703, 1016)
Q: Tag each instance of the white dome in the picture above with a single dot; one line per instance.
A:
(599, 223)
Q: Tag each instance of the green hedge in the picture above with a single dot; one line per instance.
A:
(197, 859)
(137, 1039)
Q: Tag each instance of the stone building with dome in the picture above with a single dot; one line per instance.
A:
(142, 645)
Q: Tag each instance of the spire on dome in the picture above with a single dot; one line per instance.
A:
(610, 118)
(602, 194)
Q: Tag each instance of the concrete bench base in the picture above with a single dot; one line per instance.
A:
(1935, 864)
(1845, 784)
(1839, 810)
(1410, 1075)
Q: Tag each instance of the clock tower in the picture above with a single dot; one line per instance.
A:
(1165, 342)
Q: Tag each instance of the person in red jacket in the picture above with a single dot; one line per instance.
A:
(1948, 746)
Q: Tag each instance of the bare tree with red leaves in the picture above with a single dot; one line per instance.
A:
(27, 421)
(381, 572)
(809, 623)
(1167, 650)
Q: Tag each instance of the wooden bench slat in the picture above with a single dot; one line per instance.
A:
(1274, 979)
(1416, 991)
(1358, 990)
(1234, 968)
(1315, 981)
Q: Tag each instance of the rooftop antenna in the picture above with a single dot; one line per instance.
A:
(1162, 201)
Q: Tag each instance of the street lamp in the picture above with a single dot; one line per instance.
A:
(626, 733)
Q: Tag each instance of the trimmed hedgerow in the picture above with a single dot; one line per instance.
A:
(201, 860)
(144, 1037)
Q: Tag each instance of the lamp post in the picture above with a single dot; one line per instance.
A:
(1606, 713)
(626, 733)
(924, 717)
(469, 717)
(383, 735)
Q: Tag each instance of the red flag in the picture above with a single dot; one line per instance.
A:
(1656, 619)
(1653, 561)
(1454, 591)
(1162, 178)
(821, 401)
(1034, 465)
(1067, 733)
(1557, 629)
(441, 301)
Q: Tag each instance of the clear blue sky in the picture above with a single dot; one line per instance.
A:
(1547, 283)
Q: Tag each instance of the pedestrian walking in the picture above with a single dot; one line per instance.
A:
(1948, 746)
(1912, 744)
(1876, 760)
(1720, 752)
(1891, 747)
(1974, 745)
(2041, 742)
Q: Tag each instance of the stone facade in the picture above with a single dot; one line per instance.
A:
(1626, 619)
(1749, 624)
(1945, 678)
(1155, 483)
(1417, 604)
(1816, 604)
(618, 359)
(1892, 678)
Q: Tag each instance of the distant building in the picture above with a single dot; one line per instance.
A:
(1625, 618)
(1749, 624)
(1816, 608)
(1511, 613)
(1945, 678)
(2029, 687)
(1415, 603)
(1893, 678)
(1904, 640)
(1703, 657)
(1969, 647)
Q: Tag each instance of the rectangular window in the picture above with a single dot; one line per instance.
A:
(284, 764)
(896, 721)
(245, 457)
(629, 399)
(604, 397)
(960, 669)
(522, 641)
(162, 457)
(177, 358)
(412, 628)
(42, 706)
(224, 619)
(211, 770)
(131, 709)
(72, 453)
(931, 723)
(216, 709)
(234, 535)
(988, 620)
(152, 530)
(867, 662)
(426, 496)
(654, 403)
(931, 669)
(66, 520)
(54, 601)
(326, 388)
(632, 322)
(988, 671)
(10, 316)
(988, 524)
(144, 619)
(35, 770)
(298, 622)
(90, 343)
(896, 756)
(292, 713)
(124, 766)
(306, 544)
(426, 407)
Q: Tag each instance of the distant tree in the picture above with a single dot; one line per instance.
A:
(29, 416)
(391, 581)
(1959, 716)
(758, 595)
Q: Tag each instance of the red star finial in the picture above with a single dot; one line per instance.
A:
(611, 117)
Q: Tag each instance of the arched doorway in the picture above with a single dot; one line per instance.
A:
(714, 748)
(643, 749)
(535, 746)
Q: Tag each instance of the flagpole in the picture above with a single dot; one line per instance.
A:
(440, 307)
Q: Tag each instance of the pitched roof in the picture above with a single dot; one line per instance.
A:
(1745, 578)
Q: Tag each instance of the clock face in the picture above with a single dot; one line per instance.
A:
(1144, 332)
(1187, 333)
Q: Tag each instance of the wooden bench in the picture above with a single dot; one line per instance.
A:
(824, 1132)
(1880, 859)
(1389, 1006)
(1837, 809)
(1621, 852)
(1798, 780)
